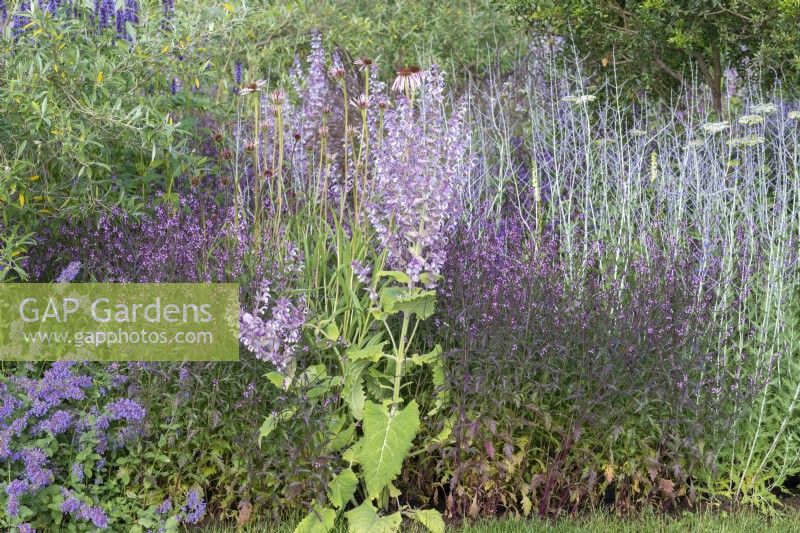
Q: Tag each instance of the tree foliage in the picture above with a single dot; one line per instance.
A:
(658, 42)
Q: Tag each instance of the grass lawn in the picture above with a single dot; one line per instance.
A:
(744, 522)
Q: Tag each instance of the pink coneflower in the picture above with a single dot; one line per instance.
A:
(408, 80)
(336, 71)
(278, 97)
(253, 87)
(365, 64)
(362, 102)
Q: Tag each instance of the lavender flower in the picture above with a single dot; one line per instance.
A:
(164, 507)
(195, 508)
(237, 73)
(420, 169)
(361, 271)
(106, 14)
(82, 511)
(69, 273)
(272, 331)
(132, 11)
(77, 472)
(126, 409)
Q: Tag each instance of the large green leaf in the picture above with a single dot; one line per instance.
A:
(365, 519)
(430, 518)
(353, 390)
(387, 440)
(342, 487)
(414, 301)
(373, 352)
(319, 520)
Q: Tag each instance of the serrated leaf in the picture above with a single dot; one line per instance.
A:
(372, 352)
(353, 390)
(431, 357)
(365, 519)
(430, 518)
(386, 442)
(414, 301)
(342, 487)
(319, 520)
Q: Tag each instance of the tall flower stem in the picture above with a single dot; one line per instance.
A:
(399, 359)
(257, 200)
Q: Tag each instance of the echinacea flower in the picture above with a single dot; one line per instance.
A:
(408, 80)
(336, 71)
(362, 102)
(252, 87)
(278, 97)
(365, 64)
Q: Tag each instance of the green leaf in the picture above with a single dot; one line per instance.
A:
(386, 442)
(353, 390)
(342, 488)
(431, 357)
(332, 331)
(365, 519)
(399, 277)
(319, 520)
(409, 300)
(372, 352)
(277, 379)
(269, 425)
(430, 518)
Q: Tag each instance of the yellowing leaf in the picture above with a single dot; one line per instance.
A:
(21, 200)
(100, 77)
(165, 49)
(608, 470)
(197, 83)
(34, 178)
(228, 7)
